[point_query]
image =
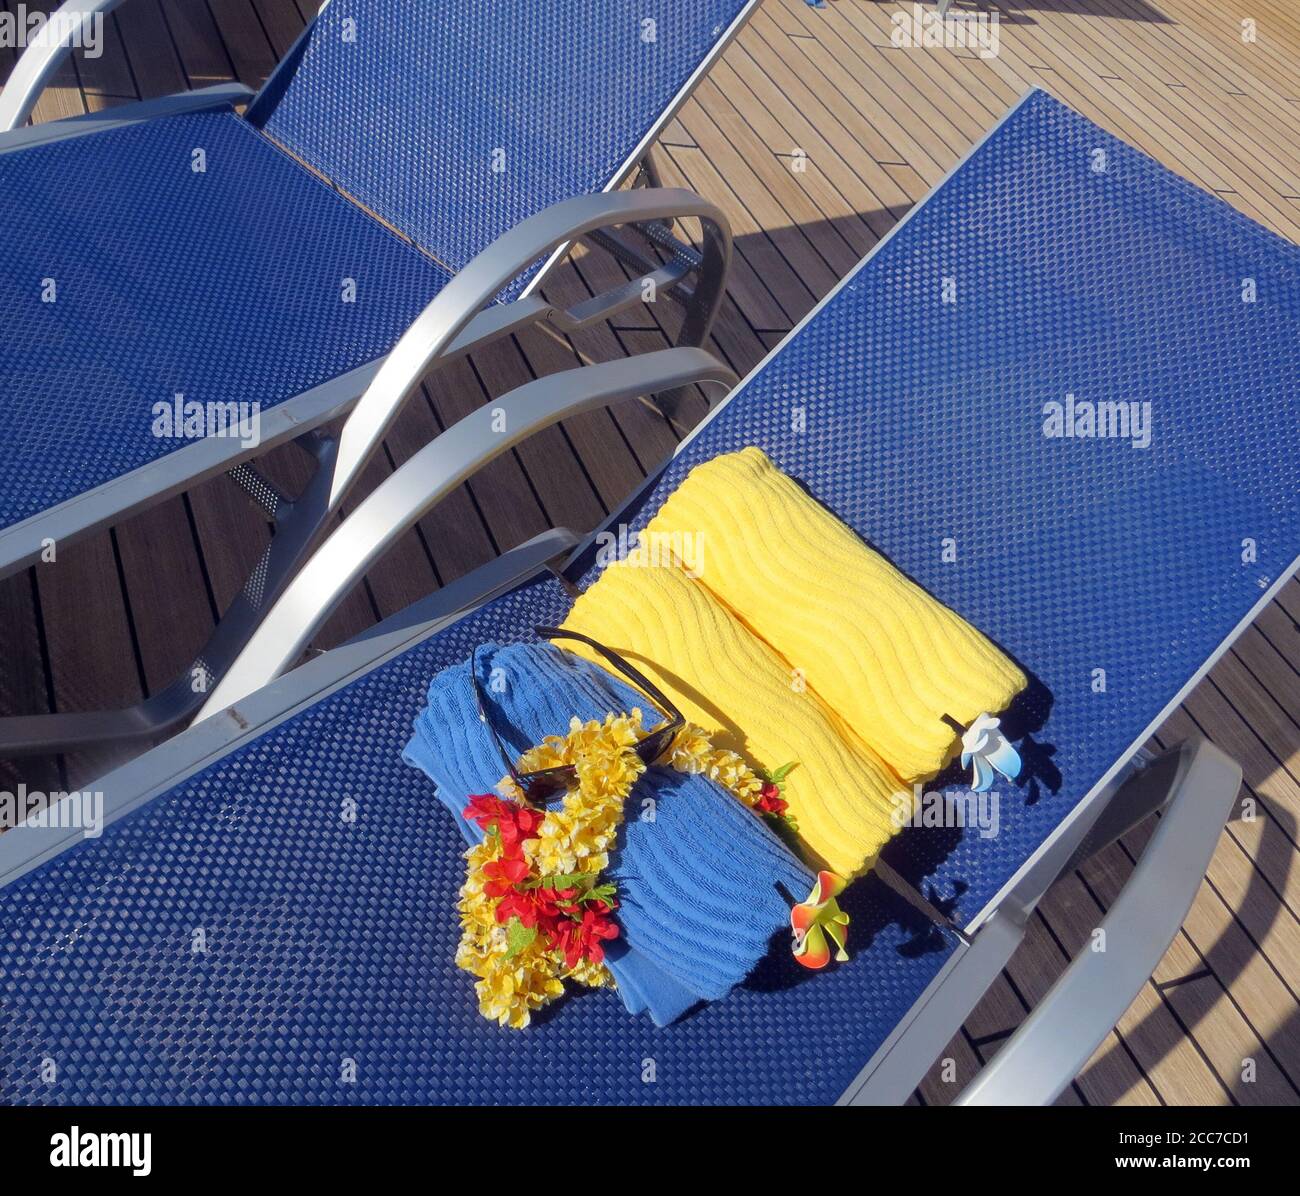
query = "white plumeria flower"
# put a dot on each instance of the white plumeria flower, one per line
(986, 750)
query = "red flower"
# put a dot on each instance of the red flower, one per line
(579, 938)
(770, 800)
(521, 904)
(529, 822)
(485, 809)
(513, 822)
(502, 875)
(568, 924)
(565, 903)
(533, 907)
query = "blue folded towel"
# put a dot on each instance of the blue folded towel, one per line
(697, 873)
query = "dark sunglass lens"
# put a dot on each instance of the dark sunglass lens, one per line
(655, 744)
(543, 785)
(539, 791)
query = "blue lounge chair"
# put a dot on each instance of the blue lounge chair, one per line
(1114, 574)
(173, 248)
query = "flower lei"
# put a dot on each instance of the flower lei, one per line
(533, 912)
(693, 752)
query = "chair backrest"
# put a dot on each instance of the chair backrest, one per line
(453, 122)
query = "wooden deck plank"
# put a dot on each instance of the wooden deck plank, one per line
(281, 23)
(453, 393)
(1245, 976)
(1269, 63)
(149, 49)
(1224, 1034)
(160, 570)
(879, 109)
(1187, 61)
(647, 434)
(812, 245)
(841, 146)
(950, 1073)
(1245, 891)
(62, 96)
(87, 623)
(862, 213)
(924, 79)
(755, 262)
(1267, 718)
(1277, 791)
(998, 1013)
(106, 80)
(1271, 673)
(947, 128)
(202, 51)
(1199, 143)
(734, 336)
(1198, 64)
(454, 533)
(25, 687)
(250, 53)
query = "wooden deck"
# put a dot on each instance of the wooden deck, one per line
(122, 612)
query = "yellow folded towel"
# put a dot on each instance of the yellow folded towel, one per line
(880, 651)
(734, 685)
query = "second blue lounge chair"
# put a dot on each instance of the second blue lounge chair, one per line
(174, 257)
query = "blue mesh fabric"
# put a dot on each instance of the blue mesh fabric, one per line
(406, 105)
(330, 941)
(924, 423)
(225, 285)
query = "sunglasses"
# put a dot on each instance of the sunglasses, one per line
(545, 783)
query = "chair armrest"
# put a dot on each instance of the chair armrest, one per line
(40, 60)
(548, 549)
(130, 785)
(1054, 1043)
(219, 97)
(437, 329)
(431, 474)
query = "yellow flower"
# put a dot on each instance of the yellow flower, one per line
(690, 749)
(507, 788)
(512, 988)
(692, 752)
(567, 844)
(731, 772)
(593, 975)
